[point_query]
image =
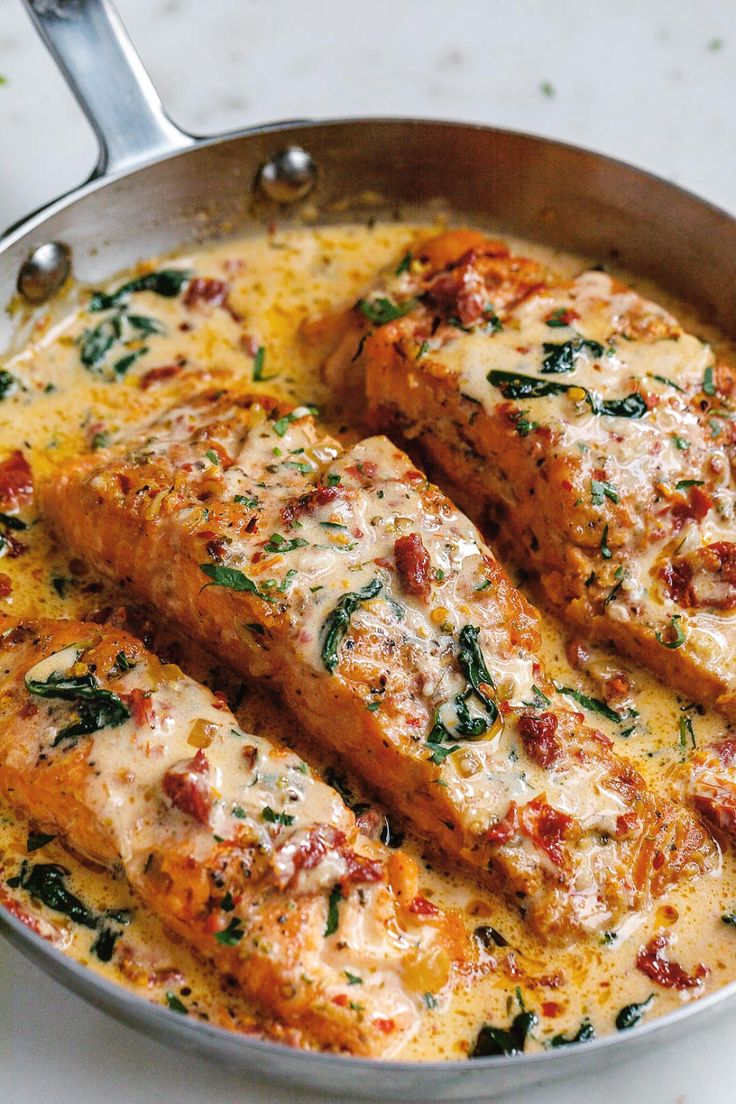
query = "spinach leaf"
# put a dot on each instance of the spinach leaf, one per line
(167, 282)
(11, 522)
(632, 1014)
(515, 385)
(36, 840)
(488, 937)
(97, 708)
(8, 383)
(494, 1041)
(337, 621)
(175, 1004)
(474, 668)
(562, 358)
(95, 344)
(585, 1032)
(47, 882)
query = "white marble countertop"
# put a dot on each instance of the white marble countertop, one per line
(651, 82)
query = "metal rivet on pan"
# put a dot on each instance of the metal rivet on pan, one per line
(288, 176)
(44, 271)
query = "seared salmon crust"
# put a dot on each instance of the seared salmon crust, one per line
(232, 842)
(587, 425)
(394, 635)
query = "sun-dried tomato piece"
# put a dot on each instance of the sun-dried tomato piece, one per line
(186, 785)
(308, 503)
(537, 730)
(16, 482)
(652, 961)
(413, 564)
(703, 578)
(140, 705)
(206, 290)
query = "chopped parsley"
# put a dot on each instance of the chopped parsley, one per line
(272, 817)
(594, 705)
(679, 636)
(259, 362)
(558, 318)
(281, 425)
(606, 552)
(709, 383)
(231, 578)
(686, 733)
(600, 490)
(277, 543)
(382, 310)
(249, 501)
(404, 264)
(353, 979)
(682, 484)
(232, 934)
(680, 442)
(333, 906)
(523, 426)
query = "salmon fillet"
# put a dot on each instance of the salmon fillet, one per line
(231, 841)
(593, 432)
(393, 634)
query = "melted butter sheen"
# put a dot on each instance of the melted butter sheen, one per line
(61, 407)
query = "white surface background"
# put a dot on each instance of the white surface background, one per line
(653, 82)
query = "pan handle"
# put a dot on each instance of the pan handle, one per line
(93, 51)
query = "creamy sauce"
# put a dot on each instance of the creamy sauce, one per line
(56, 407)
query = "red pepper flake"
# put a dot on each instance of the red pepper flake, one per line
(664, 971)
(6, 585)
(386, 1026)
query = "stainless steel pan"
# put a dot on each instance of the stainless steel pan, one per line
(156, 188)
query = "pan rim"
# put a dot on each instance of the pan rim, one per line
(36, 218)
